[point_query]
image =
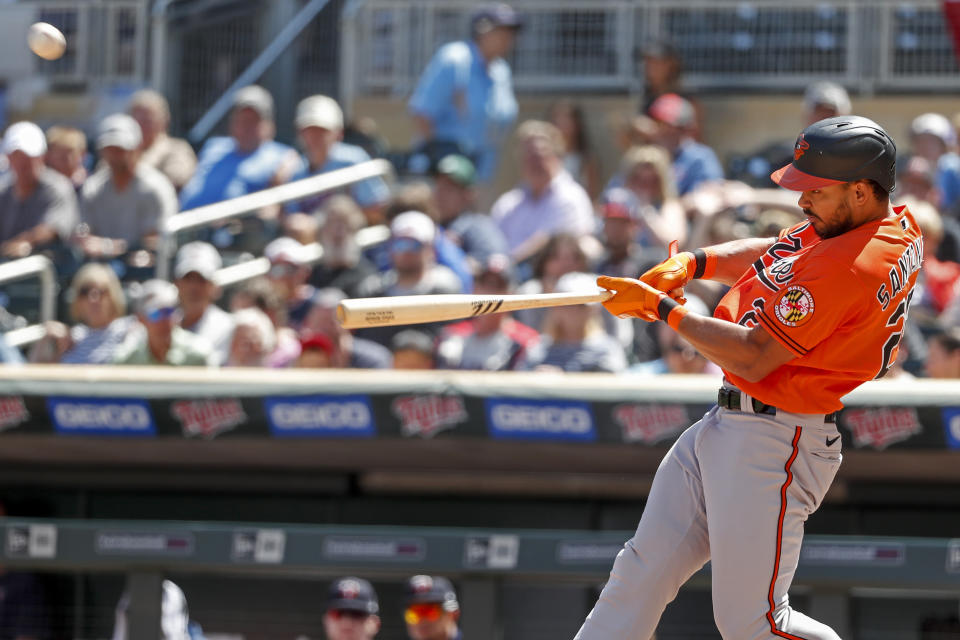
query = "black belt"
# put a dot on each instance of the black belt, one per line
(730, 399)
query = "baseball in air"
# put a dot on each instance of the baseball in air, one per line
(46, 40)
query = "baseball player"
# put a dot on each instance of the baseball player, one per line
(351, 610)
(810, 316)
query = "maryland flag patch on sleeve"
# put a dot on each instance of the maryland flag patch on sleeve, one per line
(794, 306)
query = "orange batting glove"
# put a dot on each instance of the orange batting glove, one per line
(671, 275)
(637, 299)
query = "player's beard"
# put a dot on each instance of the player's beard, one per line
(842, 221)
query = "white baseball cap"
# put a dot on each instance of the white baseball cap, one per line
(285, 250)
(415, 225)
(199, 257)
(934, 124)
(319, 111)
(254, 97)
(827, 94)
(119, 130)
(26, 137)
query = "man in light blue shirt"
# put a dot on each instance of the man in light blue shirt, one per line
(464, 100)
(246, 161)
(319, 122)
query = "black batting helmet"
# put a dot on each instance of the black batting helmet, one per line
(839, 150)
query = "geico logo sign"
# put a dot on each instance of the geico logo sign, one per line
(513, 417)
(102, 416)
(326, 415)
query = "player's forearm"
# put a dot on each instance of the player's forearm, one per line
(730, 346)
(736, 256)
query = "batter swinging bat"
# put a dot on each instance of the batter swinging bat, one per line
(381, 312)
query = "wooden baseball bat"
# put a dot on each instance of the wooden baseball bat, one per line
(387, 311)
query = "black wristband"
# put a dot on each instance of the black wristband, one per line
(666, 305)
(701, 260)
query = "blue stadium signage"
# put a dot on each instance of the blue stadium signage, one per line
(101, 416)
(320, 415)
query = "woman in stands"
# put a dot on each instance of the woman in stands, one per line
(579, 160)
(647, 173)
(98, 306)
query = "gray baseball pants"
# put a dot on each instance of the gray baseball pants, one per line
(735, 489)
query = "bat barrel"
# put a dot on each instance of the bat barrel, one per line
(358, 313)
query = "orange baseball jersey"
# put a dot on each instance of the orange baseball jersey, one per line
(838, 304)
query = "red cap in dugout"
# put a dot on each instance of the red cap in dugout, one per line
(839, 150)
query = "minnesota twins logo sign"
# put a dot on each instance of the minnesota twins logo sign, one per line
(794, 307)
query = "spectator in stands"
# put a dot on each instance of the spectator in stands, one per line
(431, 609)
(316, 352)
(253, 340)
(124, 203)
(455, 195)
(677, 355)
(66, 154)
(620, 211)
(248, 160)
(562, 254)
(263, 294)
(342, 264)
(412, 349)
(289, 272)
(693, 162)
(418, 196)
(98, 306)
(663, 74)
(647, 173)
(352, 609)
(917, 178)
(573, 338)
(173, 157)
(319, 123)
(38, 206)
(943, 355)
(579, 159)
(348, 350)
(549, 201)
(932, 137)
(24, 609)
(414, 269)
(492, 342)
(821, 100)
(194, 271)
(464, 103)
(164, 341)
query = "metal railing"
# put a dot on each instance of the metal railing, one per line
(870, 45)
(27, 268)
(245, 205)
(312, 254)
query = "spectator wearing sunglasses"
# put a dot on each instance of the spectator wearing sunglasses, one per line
(164, 341)
(414, 270)
(432, 611)
(98, 306)
(352, 609)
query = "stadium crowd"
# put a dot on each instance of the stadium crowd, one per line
(99, 216)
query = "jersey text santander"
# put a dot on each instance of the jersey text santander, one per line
(838, 304)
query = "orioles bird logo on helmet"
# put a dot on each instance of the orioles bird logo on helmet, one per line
(802, 146)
